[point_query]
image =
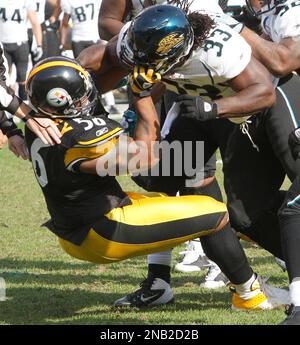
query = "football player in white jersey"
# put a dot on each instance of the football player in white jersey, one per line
(84, 15)
(13, 35)
(209, 72)
(112, 16)
(38, 52)
(281, 23)
(52, 22)
(280, 53)
(241, 73)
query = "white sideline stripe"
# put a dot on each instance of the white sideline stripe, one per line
(289, 107)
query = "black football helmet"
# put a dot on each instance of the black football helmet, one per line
(159, 37)
(267, 6)
(58, 87)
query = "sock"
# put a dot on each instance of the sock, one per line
(245, 288)
(159, 265)
(295, 291)
(162, 258)
(159, 271)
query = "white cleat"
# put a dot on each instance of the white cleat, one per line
(214, 278)
(194, 258)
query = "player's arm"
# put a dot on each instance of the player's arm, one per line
(102, 62)
(56, 11)
(44, 128)
(280, 58)
(15, 136)
(2, 139)
(255, 92)
(36, 27)
(118, 160)
(64, 28)
(111, 17)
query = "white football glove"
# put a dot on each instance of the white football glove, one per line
(37, 53)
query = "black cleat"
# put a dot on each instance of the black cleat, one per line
(293, 316)
(153, 291)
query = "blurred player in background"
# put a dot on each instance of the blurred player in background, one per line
(14, 36)
(84, 15)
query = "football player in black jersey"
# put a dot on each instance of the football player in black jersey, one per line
(94, 219)
(9, 102)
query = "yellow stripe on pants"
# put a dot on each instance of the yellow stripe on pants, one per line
(148, 211)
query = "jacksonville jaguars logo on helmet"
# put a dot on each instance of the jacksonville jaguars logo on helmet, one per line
(58, 97)
(169, 42)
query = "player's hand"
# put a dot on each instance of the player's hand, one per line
(196, 108)
(52, 24)
(142, 80)
(37, 53)
(3, 139)
(17, 145)
(128, 122)
(294, 143)
(45, 129)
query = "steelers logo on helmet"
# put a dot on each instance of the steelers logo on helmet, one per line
(58, 87)
(58, 97)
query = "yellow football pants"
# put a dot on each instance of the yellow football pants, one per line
(149, 225)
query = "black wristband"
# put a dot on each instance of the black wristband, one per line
(15, 131)
(14, 105)
(143, 94)
(28, 116)
(7, 126)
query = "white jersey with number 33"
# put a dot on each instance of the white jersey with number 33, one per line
(223, 56)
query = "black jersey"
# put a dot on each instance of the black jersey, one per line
(75, 200)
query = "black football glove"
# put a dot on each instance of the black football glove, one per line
(142, 80)
(196, 108)
(294, 143)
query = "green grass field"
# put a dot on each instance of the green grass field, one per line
(46, 286)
